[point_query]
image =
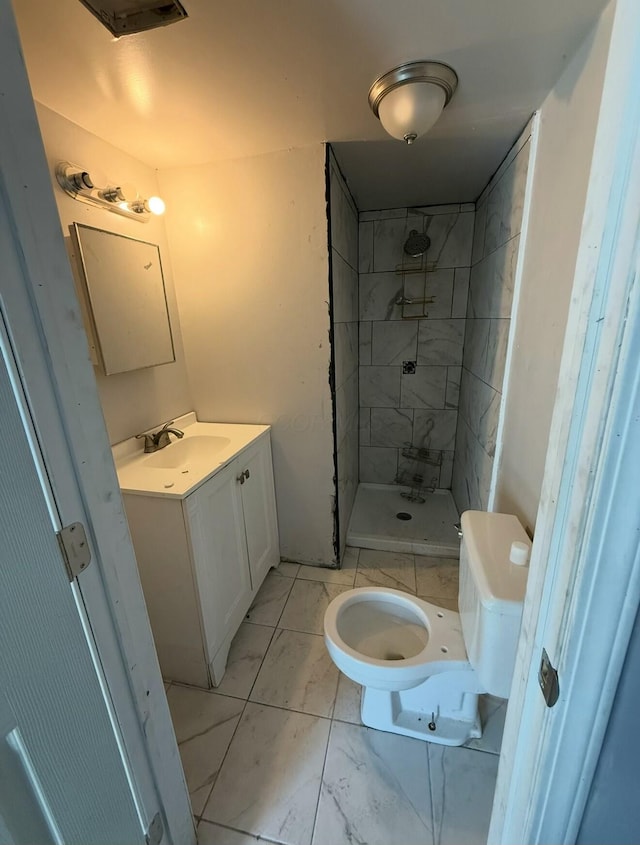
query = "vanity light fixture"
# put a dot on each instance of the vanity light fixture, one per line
(121, 199)
(409, 99)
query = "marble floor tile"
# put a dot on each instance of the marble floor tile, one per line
(248, 648)
(454, 376)
(290, 570)
(386, 569)
(346, 575)
(378, 465)
(425, 388)
(378, 293)
(437, 576)
(272, 597)
(204, 725)
(441, 601)
(348, 701)
(365, 333)
(435, 428)
(270, 780)
(492, 715)
(379, 386)
(375, 789)
(441, 342)
(462, 786)
(394, 342)
(306, 605)
(213, 834)
(391, 426)
(297, 674)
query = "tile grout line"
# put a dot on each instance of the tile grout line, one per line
(289, 710)
(264, 657)
(259, 838)
(433, 825)
(222, 762)
(246, 701)
(324, 765)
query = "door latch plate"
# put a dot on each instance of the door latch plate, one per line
(548, 680)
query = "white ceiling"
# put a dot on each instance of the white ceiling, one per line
(248, 77)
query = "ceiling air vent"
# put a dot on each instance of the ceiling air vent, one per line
(123, 17)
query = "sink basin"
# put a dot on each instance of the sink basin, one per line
(178, 469)
(196, 449)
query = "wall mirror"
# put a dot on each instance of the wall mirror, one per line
(126, 299)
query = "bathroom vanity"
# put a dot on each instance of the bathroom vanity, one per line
(202, 516)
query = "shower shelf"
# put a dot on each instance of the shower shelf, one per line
(423, 456)
(404, 300)
(412, 271)
(417, 479)
(418, 485)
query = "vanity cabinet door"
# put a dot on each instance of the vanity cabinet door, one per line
(216, 528)
(259, 505)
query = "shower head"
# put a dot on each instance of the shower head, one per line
(417, 244)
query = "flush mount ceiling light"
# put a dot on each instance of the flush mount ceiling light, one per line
(410, 98)
(122, 199)
(124, 17)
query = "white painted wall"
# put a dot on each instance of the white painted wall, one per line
(567, 131)
(135, 401)
(248, 241)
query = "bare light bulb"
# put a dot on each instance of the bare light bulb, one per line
(156, 205)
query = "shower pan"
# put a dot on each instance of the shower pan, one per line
(382, 519)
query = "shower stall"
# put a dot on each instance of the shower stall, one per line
(434, 298)
(413, 286)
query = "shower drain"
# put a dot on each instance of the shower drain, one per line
(404, 516)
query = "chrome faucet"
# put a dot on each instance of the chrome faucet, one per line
(159, 439)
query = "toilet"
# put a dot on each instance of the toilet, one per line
(421, 666)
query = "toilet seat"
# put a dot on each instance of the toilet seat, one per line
(409, 656)
(422, 638)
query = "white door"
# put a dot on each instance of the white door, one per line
(43, 320)
(259, 508)
(62, 775)
(219, 554)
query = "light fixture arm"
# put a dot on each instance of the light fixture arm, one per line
(78, 184)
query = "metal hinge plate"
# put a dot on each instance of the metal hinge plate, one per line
(155, 832)
(548, 680)
(75, 549)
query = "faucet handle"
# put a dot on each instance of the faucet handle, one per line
(149, 441)
(167, 424)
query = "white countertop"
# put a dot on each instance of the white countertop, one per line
(186, 463)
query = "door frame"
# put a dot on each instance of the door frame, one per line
(531, 772)
(49, 343)
(590, 499)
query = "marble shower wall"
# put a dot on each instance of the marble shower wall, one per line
(410, 368)
(494, 260)
(343, 227)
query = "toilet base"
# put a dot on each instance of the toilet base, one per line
(448, 700)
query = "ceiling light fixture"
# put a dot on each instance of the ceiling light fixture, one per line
(122, 199)
(410, 98)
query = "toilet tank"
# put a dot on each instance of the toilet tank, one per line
(491, 596)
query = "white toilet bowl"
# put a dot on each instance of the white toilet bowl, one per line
(422, 667)
(410, 658)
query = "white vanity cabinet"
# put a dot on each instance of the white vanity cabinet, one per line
(202, 558)
(233, 532)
